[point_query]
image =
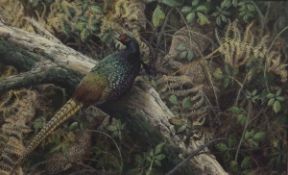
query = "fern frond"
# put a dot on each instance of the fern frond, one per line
(238, 51)
(20, 108)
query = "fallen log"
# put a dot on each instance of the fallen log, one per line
(141, 108)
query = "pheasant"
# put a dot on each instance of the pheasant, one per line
(107, 81)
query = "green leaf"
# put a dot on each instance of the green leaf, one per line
(226, 82)
(160, 157)
(232, 141)
(190, 17)
(248, 134)
(276, 106)
(96, 9)
(159, 148)
(278, 92)
(112, 128)
(221, 147)
(181, 47)
(202, 19)
(38, 123)
(172, 3)
(80, 25)
(235, 3)
(234, 166)
(202, 8)
(149, 157)
(271, 102)
(173, 99)
(270, 95)
(218, 74)
(242, 119)
(158, 16)
(259, 136)
(226, 4)
(190, 55)
(218, 21)
(279, 98)
(186, 103)
(157, 163)
(246, 162)
(223, 18)
(183, 54)
(186, 9)
(180, 129)
(73, 126)
(235, 110)
(195, 2)
(84, 34)
(251, 7)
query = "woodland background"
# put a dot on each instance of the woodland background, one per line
(218, 65)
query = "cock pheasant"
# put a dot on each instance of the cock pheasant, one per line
(107, 81)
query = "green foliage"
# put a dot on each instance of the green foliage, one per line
(253, 96)
(250, 101)
(72, 18)
(186, 103)
(240, 114)
(247, 10)
(173, 99)
(275, 100)
(158, 16)
(116, 128)
(184, 52)
(148, 160)
(38, 123)
(253, 138)
(172, 3)
(222, 12)
(196, 11)
(203, 11)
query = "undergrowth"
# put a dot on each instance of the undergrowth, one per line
(220, 67)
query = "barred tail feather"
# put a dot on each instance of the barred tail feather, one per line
(69, 109)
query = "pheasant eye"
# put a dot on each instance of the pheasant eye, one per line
(123, 38)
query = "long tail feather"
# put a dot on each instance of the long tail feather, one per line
(69, 109)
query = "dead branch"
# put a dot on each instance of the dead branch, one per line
(142, 108)
(56, 52)
(45, 74)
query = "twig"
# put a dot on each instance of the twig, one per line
(194, 153)
(244, 131)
